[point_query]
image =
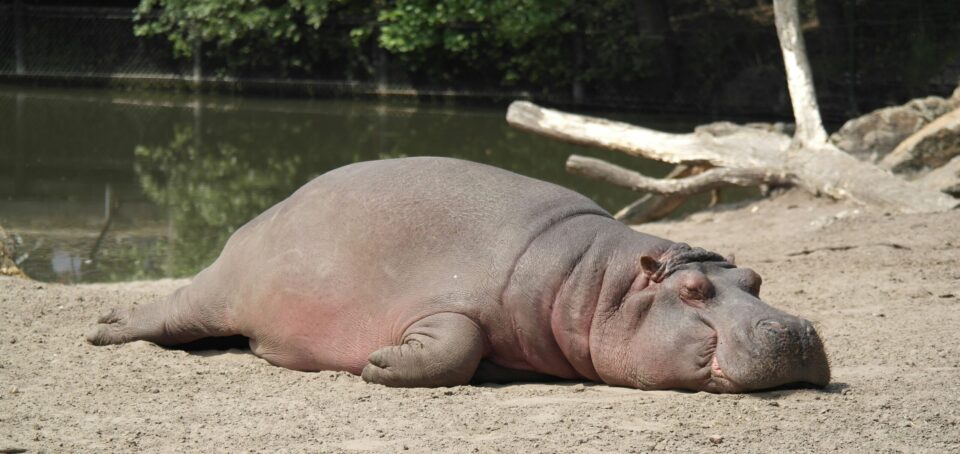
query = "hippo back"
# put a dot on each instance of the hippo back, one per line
(438, 229)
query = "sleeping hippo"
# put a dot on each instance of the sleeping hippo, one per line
(422, 272)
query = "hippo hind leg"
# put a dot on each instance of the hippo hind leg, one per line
(439, 350)
(192, 312)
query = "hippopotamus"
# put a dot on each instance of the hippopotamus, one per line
(427, 272)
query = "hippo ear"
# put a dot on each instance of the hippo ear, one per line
(731, 258)
(649, 265)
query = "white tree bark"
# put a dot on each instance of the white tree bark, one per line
(803, 96)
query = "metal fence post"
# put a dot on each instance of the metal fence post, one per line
(197, 63)
(18, 35)
(577, 88)
(380, 59)
(18, 144)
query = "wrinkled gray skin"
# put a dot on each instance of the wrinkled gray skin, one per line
(436, 272)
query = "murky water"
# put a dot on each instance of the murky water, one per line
(118, 185)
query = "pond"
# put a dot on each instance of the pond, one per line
(100, 185)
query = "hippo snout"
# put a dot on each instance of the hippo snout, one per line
(793, 343)
(814, 357)
(797, 330)
(769, 326)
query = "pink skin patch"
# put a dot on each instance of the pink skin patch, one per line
(715, 368)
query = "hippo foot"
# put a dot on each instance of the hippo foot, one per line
(112, 328)
(190, 313)
(439, 350)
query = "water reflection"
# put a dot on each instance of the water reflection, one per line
(66, 266)
(186, 171)
(211, 190)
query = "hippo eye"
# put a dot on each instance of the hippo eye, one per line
(694, 293)
(696, 290)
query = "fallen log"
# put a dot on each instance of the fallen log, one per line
(705, 181)
(740, 155)
(750, 156)
(652, 207)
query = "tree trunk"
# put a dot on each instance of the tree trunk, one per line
(653, 27)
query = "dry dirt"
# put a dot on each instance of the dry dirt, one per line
(883, 289)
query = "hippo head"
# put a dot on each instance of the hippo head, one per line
(693, 320)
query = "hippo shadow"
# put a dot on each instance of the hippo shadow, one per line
(793, 388)
(215, 346)
(490, 376)
(553, 381)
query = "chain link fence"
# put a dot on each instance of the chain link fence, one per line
(74, 41)
(729, 68)
(8, 58)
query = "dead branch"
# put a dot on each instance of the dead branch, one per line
(740, 154)
(710, 179)
(652, 207)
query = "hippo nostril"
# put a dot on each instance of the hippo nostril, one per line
(771, 326)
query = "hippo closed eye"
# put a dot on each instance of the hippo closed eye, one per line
(436, 272)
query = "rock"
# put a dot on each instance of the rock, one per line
(11, 450)
(8, 265)
(871, 136)
(946, 178)
(932, 146)
(716, 439)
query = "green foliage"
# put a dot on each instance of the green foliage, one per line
(513, 42)
(458, 25)
(694, 50)
(248, 32)
(526, 42)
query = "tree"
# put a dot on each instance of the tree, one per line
(548, 44)
(244, 32)
(741, 155)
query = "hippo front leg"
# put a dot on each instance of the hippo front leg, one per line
(440, 350)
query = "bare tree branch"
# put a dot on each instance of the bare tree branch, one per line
(651, 207)
(710, 179)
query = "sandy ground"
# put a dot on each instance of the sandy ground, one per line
(883, 289)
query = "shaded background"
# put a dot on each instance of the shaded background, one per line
(136, 136)
(702, 56)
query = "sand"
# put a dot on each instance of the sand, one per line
(883, 289)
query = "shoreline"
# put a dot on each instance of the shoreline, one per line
(883, 290)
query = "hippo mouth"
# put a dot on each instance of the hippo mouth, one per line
(716, 379)
(715, 370)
